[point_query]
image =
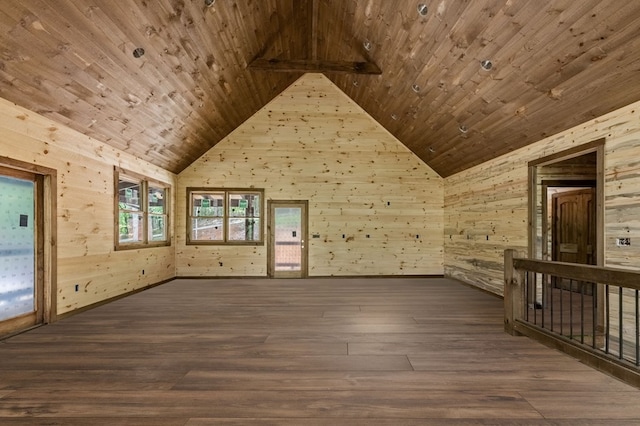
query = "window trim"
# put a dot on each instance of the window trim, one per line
(226, 241)
(145, 183)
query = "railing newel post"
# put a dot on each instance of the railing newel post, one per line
(513, 292)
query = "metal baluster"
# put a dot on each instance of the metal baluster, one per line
(551, 305)
(608, 325)
(571, 308)
(562, 307)
(543, 303)
(582, 313)
(535, 298)
(620, 328)
(637, 330)
(528, 295)
(594, 313)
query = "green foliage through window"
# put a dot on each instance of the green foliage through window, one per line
(142, 211)
(220, 216)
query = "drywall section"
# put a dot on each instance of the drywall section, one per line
(85, 209)
(375, 207)
(486, 206)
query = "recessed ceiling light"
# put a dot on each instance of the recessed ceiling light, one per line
(209, 3)
(423, 9)
(367, 45)
(415, 88)
(486, 65)
(463, 128)
(138, 52)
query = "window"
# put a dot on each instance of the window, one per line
(142, 211)
(225, 216)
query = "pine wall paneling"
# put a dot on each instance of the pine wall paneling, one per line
(313, 143)
(85, 211)
(491, 200)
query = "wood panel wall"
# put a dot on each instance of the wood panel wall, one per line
(313, 143)
(486, 206)
(85, 212)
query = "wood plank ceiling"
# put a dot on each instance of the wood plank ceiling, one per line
(555, 64)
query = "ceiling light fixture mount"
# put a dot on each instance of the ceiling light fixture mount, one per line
(423, 9)
(138, 52)
(486, 65)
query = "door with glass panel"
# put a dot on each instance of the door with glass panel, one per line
(287, 239)
(20, 296)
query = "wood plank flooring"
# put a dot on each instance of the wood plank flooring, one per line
(403, 351)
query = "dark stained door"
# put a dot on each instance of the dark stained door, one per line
(574, 227)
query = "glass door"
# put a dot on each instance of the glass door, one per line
(287, 239)
(17, 247)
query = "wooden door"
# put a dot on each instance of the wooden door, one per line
(287, 255)
(574, 227)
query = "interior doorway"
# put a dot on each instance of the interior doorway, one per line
(566, 217)
(287, 254)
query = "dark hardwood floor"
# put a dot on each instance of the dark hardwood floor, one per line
(300, 352)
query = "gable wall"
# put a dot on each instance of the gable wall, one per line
(490, 200)
(85, 208)
(313, 143)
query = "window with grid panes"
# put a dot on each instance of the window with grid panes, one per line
(225, 216)
(142, 211)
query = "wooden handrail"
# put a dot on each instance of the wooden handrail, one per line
(597, 274)
(521, 305)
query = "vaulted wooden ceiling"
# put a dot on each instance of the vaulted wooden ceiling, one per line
(208, 65)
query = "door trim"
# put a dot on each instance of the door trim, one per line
(304, 261)
(594, 146)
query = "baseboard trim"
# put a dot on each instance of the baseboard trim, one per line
(475, 287)
(111, 299)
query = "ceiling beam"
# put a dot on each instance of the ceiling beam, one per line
(313, 30)
(306, 65)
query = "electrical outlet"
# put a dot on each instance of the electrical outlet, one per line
(623, 242)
